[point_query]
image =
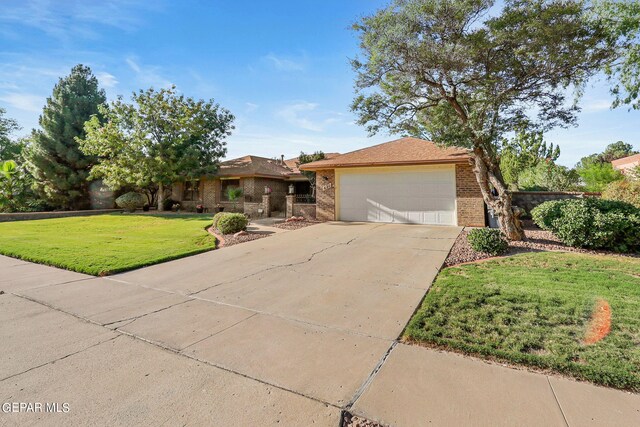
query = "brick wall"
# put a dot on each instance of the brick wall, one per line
(305, 210)
(326, 195)
(469, 198)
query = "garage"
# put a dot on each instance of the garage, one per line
(405, 181)
(411, 195)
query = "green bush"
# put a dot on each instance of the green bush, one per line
(130, 201)
(592, 223)
(488, 240)
(168, 204)
(232, 223)
(217, 217)
(626, 190)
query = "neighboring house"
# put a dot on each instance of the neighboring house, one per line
(256, 176)
(626, 165)
(408, 180)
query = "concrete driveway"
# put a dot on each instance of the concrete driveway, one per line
(288, 329)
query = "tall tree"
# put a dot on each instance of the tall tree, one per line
(59, 168)
(9, 148)
(311, 176)
(161, 138)
(463, 74)
(525, 151)
(621, 19)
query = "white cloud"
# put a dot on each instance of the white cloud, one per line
(24, 101)
(286, 64)
(107, 80)
(250, 107)
(65, 20)
(596, 105)
(293, 114)
(148, 75)
(306, 115)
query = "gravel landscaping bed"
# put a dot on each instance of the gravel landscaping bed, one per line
(231, 239)
(294, 225)
(356, 421)
(536, 240)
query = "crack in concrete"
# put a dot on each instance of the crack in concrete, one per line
(61, 283)
(275, 267)
(219, 332)
(59, 358)
(134, 318)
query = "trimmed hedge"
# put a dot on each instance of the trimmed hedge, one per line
(229, 223)
(591, 223)
(488, 240)
(130, 201)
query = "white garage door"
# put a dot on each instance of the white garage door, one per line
(412, 195)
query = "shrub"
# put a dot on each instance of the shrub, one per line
(232, 223)
(625, 190)
(130, 201)
(488, 240)
(168, 203)
(217, 217)
(592, 223)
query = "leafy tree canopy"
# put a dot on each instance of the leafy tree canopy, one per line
(621, 18)
(547, 176)
(596, 176)
(60, 169)
(457, 73)
(160, 138)
(525, 151)
(9, 149)
(311, 175)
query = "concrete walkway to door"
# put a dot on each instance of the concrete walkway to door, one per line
(290, 330)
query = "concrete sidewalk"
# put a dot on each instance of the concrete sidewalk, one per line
(290, 330)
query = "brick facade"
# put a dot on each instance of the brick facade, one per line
(469, 198)
(326, 195)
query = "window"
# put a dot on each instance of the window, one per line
(226, 184)
(191, 191)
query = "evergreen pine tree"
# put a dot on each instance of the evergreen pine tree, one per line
(58, 166)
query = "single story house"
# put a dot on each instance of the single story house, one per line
(627, 164)
(408, 180)
(256, 176)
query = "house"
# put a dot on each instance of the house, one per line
(408, 180)
(626, 165)
(256, 176)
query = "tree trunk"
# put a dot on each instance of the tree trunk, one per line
(160, 197)
(500, 204)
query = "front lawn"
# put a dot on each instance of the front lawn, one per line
(106, 244)
(536, 309)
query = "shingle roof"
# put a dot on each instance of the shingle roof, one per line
(253, 166)
(404, 151)
(293, 163)
(626, 160)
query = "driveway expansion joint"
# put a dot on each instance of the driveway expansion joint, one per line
(555, 397)
(371, 377)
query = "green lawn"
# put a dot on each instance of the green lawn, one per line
(534, 309)
(106, 244)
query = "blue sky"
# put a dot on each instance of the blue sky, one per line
(280, 66)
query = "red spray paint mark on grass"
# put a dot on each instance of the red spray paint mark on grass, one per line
(600, 324)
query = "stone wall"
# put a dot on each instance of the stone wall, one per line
(26, 216)
(469, 198)
(528, 200)
(326, 195)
